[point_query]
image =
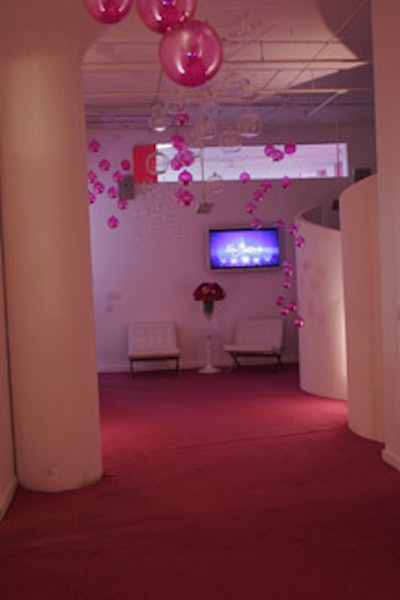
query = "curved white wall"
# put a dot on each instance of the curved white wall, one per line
(358, 217)
(322, 346)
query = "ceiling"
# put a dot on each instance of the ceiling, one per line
(286, 61)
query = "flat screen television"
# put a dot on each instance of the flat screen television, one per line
(243, 248)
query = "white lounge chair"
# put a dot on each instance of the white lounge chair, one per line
(258, 337)
(153, 341)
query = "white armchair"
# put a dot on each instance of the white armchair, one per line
(259, 337)
(153, 341)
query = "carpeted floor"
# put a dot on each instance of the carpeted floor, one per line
(235, 486)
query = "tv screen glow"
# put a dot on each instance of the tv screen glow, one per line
(243, 248)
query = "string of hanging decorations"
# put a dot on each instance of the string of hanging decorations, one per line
(190, 51)
(190, 54)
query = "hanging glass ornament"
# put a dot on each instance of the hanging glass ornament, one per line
(99, 187)
(122, 204)
(230, 141)
(258, 195)
(277, 155)
(181, 118)
(286, 182)
(176, 164)
(157, 163)
(186, 157)
(250, 125)
(113, 222)
(266, 185)
(112, 192)
(269, 150)
(206, 128)
(290, 148)
(92, 177)
(185, 177)
(178, 141)
(117, 176)
(184, 196)
(94, 145)
(105, 164)
(299, 241)
(215, 183)
(159, 120)
(256, 223)
(251, 208)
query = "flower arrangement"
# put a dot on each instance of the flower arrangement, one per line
(208, 293)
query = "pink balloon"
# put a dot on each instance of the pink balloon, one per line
(191, 54)
(162, 15)
(108, 11)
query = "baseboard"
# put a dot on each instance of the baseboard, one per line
(113, 368)
(391, 458)
(290, 359)
(124, 368)
(224, 363)
(7, 496)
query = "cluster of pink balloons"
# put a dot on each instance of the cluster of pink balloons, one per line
(184, 157)
(190, 51)
(97, 187)
(108, 11)
(275, 154)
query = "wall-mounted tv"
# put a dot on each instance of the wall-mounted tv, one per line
(243, 248)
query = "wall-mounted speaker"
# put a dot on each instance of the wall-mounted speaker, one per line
(126, 187)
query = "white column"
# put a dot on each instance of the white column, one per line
(358, 225)
(7, 468)
(46, 246)
(385, 21)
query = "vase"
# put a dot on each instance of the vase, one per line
(208, 308)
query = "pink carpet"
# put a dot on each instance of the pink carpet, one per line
(234, 486)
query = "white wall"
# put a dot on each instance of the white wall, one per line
(148, 267)
(359, 232)
(322, 340)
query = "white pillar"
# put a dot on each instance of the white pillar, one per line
(46, 245)
(385, 20)
(358, 225)
(7, 468)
